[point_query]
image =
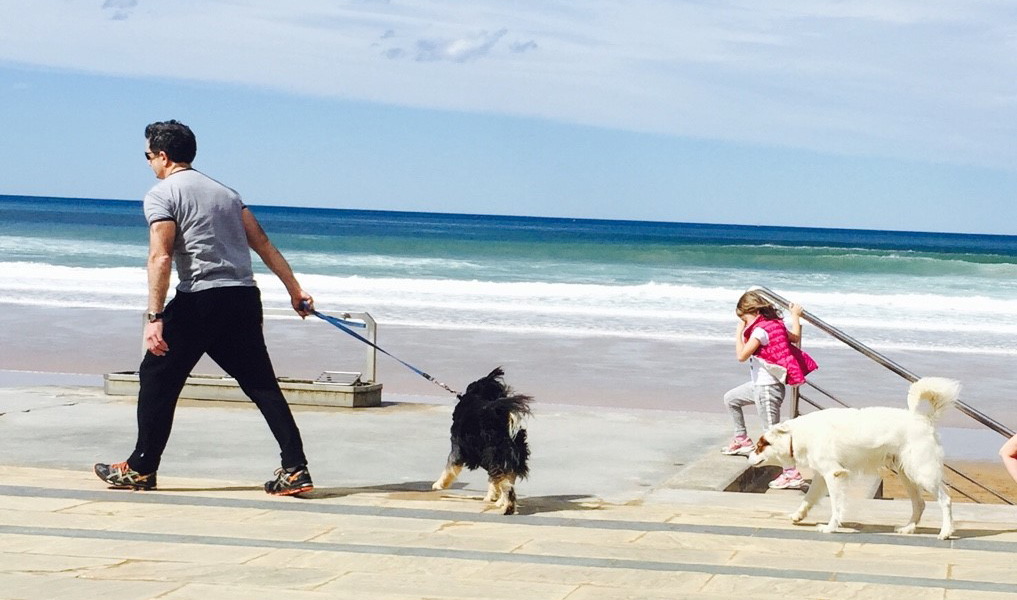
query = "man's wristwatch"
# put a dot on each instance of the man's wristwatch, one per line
(154, 316)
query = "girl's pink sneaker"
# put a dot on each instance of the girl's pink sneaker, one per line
(790, 479)
(741, 445)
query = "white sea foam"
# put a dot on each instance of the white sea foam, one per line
(652, 311)
(14, 247)
(356, 262)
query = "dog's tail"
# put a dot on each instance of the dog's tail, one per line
(514, 409)
(939, 392)
(509, 411)
(518, 408)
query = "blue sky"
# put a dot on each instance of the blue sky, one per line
(884, 114)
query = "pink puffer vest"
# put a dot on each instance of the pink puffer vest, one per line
(780, 351)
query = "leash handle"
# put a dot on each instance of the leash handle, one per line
(345, 327)
(337, 321)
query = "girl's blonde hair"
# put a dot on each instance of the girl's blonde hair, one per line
(753, 302)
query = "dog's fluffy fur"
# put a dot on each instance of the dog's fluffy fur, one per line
(838, 442)
(487, 432)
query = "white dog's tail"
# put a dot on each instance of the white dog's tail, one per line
(941, 394)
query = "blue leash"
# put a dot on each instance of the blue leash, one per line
(345, 326)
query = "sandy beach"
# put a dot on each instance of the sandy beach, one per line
(991, 475)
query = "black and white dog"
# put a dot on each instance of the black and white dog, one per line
(487, 432)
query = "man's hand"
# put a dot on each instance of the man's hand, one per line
(302, 302)
(153, 339)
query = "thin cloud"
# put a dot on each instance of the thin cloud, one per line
(520, 47)
(119, 10)
(459, 50)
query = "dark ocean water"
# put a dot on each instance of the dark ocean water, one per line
(570, 277)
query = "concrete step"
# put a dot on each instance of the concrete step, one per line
(719, 472)
(65, 536)
(867, 487)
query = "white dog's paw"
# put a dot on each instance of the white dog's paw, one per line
(798, 515)
(907, 529)
(491, 497)
(945, 535)
(438, 485)
(826, 527)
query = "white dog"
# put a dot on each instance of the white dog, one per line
(837, 442)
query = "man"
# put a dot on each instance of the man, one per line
(205, 228)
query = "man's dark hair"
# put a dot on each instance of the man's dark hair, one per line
(174, 138)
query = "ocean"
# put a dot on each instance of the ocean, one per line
(567, 278)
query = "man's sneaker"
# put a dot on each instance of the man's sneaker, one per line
(288, 482)
(122, 477)
(788, 480)
(741, 445)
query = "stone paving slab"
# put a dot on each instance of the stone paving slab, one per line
(400, 585)
(380, 535)
(205, 591)
(18, 586)
(741, 586)
(539, 556)
(348, 562)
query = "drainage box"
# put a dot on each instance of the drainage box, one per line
(297, 391)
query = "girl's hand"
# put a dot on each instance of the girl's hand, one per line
(794, 334)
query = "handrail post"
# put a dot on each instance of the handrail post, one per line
(794, 401)
(371, 359)
(370, 372)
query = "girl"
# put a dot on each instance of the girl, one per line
(774, 361)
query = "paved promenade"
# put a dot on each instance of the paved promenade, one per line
(607, 514)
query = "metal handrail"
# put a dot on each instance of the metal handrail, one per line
(977, 415)
(883, 360)
(973, 482)
(825, 393)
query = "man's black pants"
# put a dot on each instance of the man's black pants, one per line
(226, 324)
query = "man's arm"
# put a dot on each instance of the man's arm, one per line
(258, 240)
(160, 260)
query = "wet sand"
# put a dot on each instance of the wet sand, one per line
(991, 475)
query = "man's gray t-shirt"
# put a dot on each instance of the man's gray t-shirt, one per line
(210, 249)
